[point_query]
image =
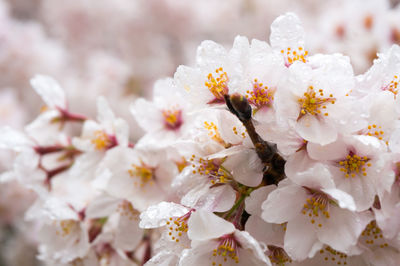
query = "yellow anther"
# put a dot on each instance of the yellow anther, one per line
(172, 118)
(353, 164)
(141, 174)
(218, 86)
(101, 140)
(213, 132)
(292, 56)
(65, 227)
(311, 103)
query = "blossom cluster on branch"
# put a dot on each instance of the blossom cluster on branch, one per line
(257, 155)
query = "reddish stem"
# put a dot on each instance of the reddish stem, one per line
(56, 171)
(147, 252)
(42, 150)
(71, 117)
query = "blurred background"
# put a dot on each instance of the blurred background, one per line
(119, 48)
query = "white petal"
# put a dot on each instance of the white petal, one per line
(50, 91)
(316, 130)
(345, 200)
(147, 115)
(316, 177)
(158, 215)
(284, 204)
(204, 225)
(14, 139)
(128, 234)
(394, 142)
(333, 151)
(121, 130)
(246, 167)
(298, 162)
(343, 228)
(163, 258)
(256, 198)
(210, 53)
(217, 199)
(102, 206)
(286, 31)
(104, 112)
(269, 234)
(57, 209)
(7, 177)
(300, 238)
(248, 242)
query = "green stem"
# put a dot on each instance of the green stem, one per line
(238, 203)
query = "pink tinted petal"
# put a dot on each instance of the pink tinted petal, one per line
(344, 200)
(283, 204)
(360, 188)
(204, 225)
(298, 162)
(128, 234)
(316, 130)
(246, 167)
(248, 243)
(217, 199)
(333, 151)
(342, 229)
(316, 177)
(271, 234)
(257, 197)
(300, 238)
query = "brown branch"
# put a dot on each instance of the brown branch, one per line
(274, 164)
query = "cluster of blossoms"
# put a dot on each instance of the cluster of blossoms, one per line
(258, 155)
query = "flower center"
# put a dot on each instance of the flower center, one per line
(372, 236)
(125, 208)
(260, 96)
(178, 225)
(392, 86)
(172, 118)
(335, 256)
(213, 132)
(141, 174)
(227, 248)
(101, 140)
(354, 164)
(312, 102)
(218, 85)
(375, 131)
(65, 227)
(278, 256)
(293, 55)
(181, 164)
(316, 207)
(213, 169)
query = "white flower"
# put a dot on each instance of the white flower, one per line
(216, 241)
(359, 166)
(316, 212)
(287, 37)
(63, 236)
(142, 177)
